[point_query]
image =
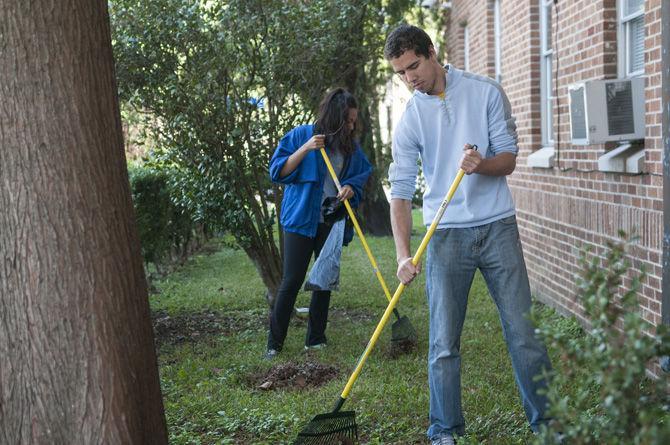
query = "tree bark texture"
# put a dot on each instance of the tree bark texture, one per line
(374, 209)
(269, 268)
(77, 358)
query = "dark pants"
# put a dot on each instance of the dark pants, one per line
(298, 250)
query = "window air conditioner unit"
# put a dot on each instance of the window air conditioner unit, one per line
(606, 110)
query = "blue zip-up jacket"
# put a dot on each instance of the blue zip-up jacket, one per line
(301, 206)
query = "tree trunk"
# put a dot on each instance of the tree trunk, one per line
(78, 363)
(379, 212)
(374, 211)
(269, 268)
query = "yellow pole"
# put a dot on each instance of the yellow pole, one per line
(401, 287)
(357, 227)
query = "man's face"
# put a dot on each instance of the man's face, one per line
(416, 71)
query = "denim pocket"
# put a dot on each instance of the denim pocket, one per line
(509, 220)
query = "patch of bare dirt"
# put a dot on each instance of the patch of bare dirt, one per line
(292, 375)
(401, 347)
(198, 326)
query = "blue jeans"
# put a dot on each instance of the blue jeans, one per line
(453, 257)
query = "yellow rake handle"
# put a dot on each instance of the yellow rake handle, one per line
(401, 286)
(357, 227)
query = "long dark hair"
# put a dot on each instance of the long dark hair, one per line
(332, 120)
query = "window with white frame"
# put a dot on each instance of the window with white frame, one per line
(631, 37)
(546, 73)
(497, 39)
(466, 48)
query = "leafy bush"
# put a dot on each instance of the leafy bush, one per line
(615, 402)
(151, 200)
(217, 84)
(166, 230)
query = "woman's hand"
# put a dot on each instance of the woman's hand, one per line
(316, 142)
(346, 192)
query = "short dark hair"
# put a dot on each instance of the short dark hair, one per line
(405, 37)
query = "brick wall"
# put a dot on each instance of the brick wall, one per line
(572, 205)
(478, 16)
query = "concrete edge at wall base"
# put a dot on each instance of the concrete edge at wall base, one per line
(562, 310)
(626, 158)
(542, 158)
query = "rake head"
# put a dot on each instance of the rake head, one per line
(403, 331)
(338, 428)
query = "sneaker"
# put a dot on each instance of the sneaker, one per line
(315, 347)
(444, 440)
(270, 354)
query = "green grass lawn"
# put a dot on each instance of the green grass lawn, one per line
(206, 377)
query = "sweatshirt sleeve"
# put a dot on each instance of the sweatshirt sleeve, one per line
(286, 147)
(502, 125)
(404, 168)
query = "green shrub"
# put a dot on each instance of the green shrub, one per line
(166, 230)
(153, 209)
(615, 403)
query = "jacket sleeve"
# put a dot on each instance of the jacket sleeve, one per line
(358, 175)
(287, 146)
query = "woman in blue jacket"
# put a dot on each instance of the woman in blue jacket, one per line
(298, 165)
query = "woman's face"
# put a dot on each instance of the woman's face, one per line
(350, 124)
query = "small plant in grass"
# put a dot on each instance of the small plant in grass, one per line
(614, 402)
